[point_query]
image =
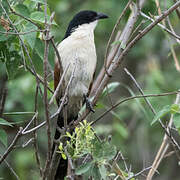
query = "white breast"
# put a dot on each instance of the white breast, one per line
(79, 50)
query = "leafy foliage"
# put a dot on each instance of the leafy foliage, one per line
(173, 109)
(151, 61)
(83, 142)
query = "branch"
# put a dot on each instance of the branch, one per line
(121, 53)
(164, 146)
(33, 71)
(161, 26)
(55, 156)
(17, 14)
(116, 50)
(46, 105)
(139, 173)
(114, 31)
(168, 136)
(10, 148)
(35, 144)
(59, 84)
(11, 169)
(20, 33)
(131, 98)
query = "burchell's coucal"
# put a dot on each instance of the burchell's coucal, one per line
(78, 51)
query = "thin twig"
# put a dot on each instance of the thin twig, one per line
(21, 43)
(177, 11)
(27, 143)
(139, 173)
(161, 26)
(115, 51)
(10, 148)
(33, 118)
(59, 84)
(3, 100)
(119, 58)
(55, 157)
(35, 143)
(152, 109)
(46, 105)
(17, 14)
(114, 31)
(20, 33)
(131, 98)
(11, 169)
(164, 146)
(39, 79)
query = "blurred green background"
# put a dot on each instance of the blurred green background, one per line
(151, 63)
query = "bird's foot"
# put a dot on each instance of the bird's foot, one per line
(65, 102)
(88, 104)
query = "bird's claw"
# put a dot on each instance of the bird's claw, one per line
(88, 104)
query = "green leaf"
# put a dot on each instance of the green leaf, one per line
(121, 130)
(176, 121)
(160, 114)
(110, 88)
(40, 18)
(109, 151)
(138, 101)
(103, 151)
(100, 105)
(4, 122)
(115, 43)
(39, 48)
(63, 156)
(3, 137)
(30, 37)
(103, 172)
(97, 150)
(4, 37)
(95, 172)
(123, 46)
(12, 64)
(22, 9)
(175, 108)
(83, 168)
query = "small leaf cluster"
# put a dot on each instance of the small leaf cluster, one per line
(83, 143)
(12, 52)
(169, 109)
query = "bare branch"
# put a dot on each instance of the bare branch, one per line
(114, 31)
(164, 146)
(35, 143)
(46, 105)
(59, 84)
(131, 98)
(10, 148)
(20, 33)
(162, 26)
(139, 173)
(17, 14)
(11, 169)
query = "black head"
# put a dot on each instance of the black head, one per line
(83, 17)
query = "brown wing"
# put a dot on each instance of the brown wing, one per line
(57, 77)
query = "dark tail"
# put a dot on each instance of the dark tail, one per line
(62, 169)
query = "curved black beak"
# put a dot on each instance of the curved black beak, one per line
(101, 16)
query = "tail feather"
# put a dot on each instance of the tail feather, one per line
(62, 169)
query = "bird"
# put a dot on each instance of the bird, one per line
(77, 51)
